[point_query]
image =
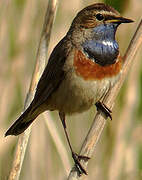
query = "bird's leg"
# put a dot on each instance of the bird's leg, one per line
(101, 106)
(75, 156)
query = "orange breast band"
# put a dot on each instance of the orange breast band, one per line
(89, 70)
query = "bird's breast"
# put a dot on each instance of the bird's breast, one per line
(90, 70)
(85, 83)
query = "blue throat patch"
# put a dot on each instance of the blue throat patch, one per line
(102, 48)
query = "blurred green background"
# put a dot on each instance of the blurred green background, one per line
(118, 154)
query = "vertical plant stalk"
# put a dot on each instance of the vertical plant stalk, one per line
(99, 122)
(126, 124)
(39, 67)
(59, 144)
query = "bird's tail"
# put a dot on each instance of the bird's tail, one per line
(23, 122)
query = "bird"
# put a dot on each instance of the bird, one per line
(81, 69)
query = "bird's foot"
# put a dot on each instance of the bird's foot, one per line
(104, 109)
(78, 165)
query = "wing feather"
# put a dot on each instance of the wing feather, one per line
(53, 73)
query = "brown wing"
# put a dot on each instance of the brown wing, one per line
(53, 73)
(49, 81)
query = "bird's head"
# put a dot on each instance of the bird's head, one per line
(93, 30)
(98, 14)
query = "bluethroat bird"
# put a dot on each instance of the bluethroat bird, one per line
(80, 71)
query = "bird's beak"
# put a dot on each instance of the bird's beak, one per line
(119, 20)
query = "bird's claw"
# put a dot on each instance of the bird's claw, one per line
(78, 165)
(104, 109)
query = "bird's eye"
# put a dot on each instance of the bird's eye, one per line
(99, 17)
